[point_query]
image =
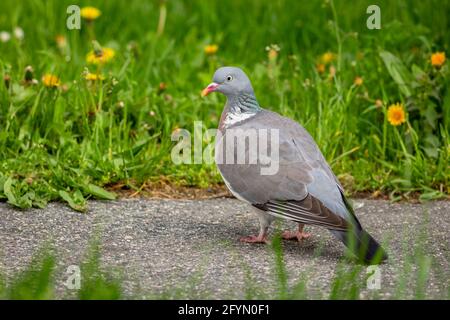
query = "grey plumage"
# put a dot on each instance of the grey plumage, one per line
(304, 189)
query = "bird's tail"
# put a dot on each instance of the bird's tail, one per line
(361, 244)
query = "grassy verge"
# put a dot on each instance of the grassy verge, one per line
(70, 128)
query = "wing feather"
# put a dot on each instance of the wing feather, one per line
(309, 211)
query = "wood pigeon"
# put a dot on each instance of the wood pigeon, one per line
(303, 188)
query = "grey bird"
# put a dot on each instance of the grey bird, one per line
(304, 189)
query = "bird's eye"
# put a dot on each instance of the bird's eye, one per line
(229, 78)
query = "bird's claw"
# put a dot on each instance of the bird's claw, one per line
(254, 239)
(297, 235)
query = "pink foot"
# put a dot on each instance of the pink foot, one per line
(254, 239)
(297, 235)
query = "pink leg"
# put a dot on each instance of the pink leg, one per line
(298, 235)
(264, 223)
(261, 238)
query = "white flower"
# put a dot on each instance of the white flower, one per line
(18, 33)
(5, 36)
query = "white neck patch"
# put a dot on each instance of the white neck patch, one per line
(233, 118)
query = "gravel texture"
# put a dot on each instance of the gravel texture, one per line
(190, 248)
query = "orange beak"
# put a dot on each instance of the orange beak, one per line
(210, 88)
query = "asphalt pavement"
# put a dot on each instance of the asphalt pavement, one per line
(191, 248)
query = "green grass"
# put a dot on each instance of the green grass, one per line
(74, 142)
(38, 280)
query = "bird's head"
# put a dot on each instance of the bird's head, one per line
(230, 81)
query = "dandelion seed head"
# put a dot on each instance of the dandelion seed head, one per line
(19, 33)
(5, 36)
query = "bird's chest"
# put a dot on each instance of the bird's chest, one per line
(227, 171)
(238, 168)
(232, 190)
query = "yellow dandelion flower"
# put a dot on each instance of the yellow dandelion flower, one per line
(358, 81)
(327, 57)
(93, 76)
(50, 80)
(438, 59)
(320, 68)
(61, 41)
(90, 13)
(272, 54)
(211, 49)
(396, 114)
(101, 56)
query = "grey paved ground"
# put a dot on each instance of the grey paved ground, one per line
(191, 248)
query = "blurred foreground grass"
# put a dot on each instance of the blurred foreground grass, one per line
(86, 127)
(42, 279)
